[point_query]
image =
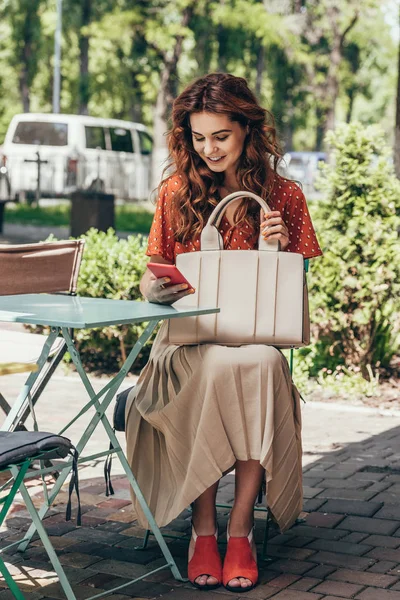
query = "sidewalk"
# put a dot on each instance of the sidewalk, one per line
(348, 545)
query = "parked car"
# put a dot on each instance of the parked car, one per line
(303, 167)
(76, 151)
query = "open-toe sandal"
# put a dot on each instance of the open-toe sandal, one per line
(240, 563)
(205, 561)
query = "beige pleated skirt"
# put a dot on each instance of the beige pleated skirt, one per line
(197, 409)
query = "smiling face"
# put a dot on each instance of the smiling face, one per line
(217, 140)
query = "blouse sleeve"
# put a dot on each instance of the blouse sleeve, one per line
(161, 240)
(302, 237)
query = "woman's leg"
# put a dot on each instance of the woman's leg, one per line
(248, 479)
(203, 519)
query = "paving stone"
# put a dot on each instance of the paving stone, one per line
(312, 481)
(330, 473)
(382, 540)
(322, 519)
(305, 584)
(318, 532)
(121, 568)
(130, 555)
(371, 594)
(358, 563)
(296, 595)
(299, 541)
(339, 546)
(284, 580)
(297, 567)
(352, 507)
(321, 571)
(350, 484)
(383, 566)
(95, 535)
(385, 554)
(363, 578)
(365, 476)
(338, 588)
(310, 492)
(355, 538)
(389, 511)
(345, 494)
(369, 525)
(76, 559)
(313, 504)
(288, 552)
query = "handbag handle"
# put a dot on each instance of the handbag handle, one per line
(211, 239)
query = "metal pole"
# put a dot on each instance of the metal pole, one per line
(57, 59)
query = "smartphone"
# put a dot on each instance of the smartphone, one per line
(171, 271)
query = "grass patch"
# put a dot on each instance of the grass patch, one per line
(127, 217)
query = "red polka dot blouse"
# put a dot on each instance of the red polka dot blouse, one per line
(286, 197)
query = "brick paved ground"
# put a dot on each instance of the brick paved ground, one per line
(347, 546)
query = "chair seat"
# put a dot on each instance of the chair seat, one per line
(17, 446)
(20, 347)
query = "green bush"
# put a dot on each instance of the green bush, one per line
(355, 286)
(111, 268)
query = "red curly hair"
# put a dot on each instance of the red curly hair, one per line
(193, 202)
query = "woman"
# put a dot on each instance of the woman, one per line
(198, 412)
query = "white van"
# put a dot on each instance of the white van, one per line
(76, 151)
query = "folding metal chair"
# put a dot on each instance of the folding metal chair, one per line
(51, 267)
(17, 452)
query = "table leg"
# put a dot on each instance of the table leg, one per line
(100, 416)
(17, 409)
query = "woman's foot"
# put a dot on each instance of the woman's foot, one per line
(204, 561)
(240, 572)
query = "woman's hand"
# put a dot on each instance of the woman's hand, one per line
(159, 292)
(273, 228)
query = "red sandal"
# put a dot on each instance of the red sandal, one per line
(240, 562)
(205, 560)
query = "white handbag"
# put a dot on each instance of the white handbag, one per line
(262, 294)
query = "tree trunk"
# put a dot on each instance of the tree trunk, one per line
(397, 125)
(166, 94)
(349, 112)
(24, 88)
(332, 81)
(84, 93)
(260, 69)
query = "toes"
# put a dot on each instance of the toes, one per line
(234, 583)
(206, 580)
(245, 582)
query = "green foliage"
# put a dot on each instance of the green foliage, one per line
(355, 286)
(111, 268)
(282, 50)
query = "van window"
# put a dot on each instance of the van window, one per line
(146, 142)
(95, 137)
(39, 132)
(121, 139)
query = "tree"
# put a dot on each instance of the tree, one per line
(24, 17)
(355, 288)
(397, 124)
